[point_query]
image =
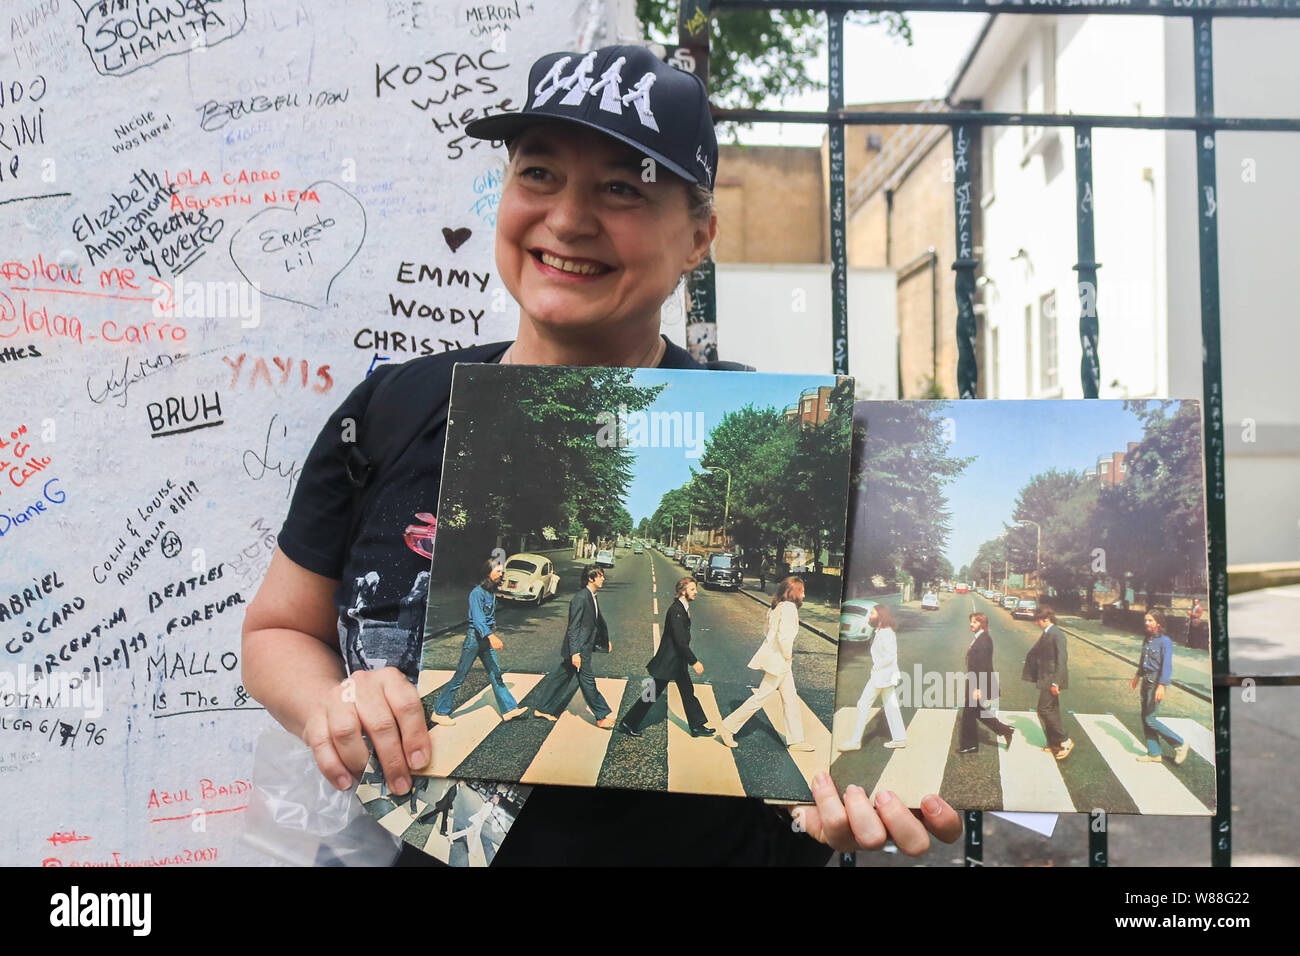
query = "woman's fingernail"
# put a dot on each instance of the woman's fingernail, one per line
(932, 806)
(343, 782)
(821, 780)
(884, 797)
(417, 759)
(854, 788)
(401, 786)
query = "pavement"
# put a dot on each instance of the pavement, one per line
(820, 617)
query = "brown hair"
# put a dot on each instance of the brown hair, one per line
(1161, 624)
(786, 588)
(981, 619)
(1045, 613)
(681, 585)
(884, 617)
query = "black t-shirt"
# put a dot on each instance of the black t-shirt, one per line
(383, 585)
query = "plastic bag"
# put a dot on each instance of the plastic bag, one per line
(296, 816)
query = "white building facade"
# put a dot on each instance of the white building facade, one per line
(1145, 192)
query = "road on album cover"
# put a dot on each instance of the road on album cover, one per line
(1101, 714)
(726, 630)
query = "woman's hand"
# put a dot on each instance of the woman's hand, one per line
(854, 824)
(384, 706)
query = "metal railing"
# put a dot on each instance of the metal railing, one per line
(693, 53)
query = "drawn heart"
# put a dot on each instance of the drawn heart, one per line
(295, 254)
(455, 238)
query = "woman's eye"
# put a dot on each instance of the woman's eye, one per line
(536, 173)
(619, 188)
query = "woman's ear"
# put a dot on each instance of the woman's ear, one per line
(702, 241)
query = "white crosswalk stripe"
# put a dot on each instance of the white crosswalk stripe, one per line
(1029, 779)
(1152, 786)
(917, 769)
(699, 764)
(575, 750)
(1200, 737)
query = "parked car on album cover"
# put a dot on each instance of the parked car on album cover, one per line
(995, 597)
(692, 561)
(1025, 607)
(528, 577)
(637, 548)
(723, 571)
(604, 558)
(1009, 603)
(930, 601)
(853, 619)
(961, 589)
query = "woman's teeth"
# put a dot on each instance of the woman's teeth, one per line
(567, 265)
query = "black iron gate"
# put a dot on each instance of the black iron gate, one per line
(693, 38)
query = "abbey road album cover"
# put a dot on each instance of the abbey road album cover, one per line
(460, 822)
(635, 579)
(1025, 622)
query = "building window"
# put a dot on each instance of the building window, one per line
(1105, 467)
(1029, 349)
(1047, 342)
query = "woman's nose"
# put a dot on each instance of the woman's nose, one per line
(572, 214)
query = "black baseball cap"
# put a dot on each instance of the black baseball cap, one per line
(625, 92)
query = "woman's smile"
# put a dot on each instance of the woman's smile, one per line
(569, 268)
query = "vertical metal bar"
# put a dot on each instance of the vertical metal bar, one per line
(967, 372)
(701, 298)
(838, 218)
(974, 820)
(1089, 366)
(967, 369)
(1212, 385)
(1098, 844)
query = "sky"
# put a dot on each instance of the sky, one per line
(657, 470)
(879, 69)
(1015, 440)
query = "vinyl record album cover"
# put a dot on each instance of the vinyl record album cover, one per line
(636, 579)
(1025, 622)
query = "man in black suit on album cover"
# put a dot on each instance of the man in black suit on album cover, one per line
(670, 664)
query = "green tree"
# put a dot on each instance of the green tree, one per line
(901, 518)
(1152, 524)
(757, 57)
(545, 455)
(1065, 507)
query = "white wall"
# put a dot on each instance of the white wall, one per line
(1256, 73)
(1104, 70)
(388, 182)
(777, 319)
(1147, 240)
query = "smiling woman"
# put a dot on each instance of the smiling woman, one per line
(606, 203)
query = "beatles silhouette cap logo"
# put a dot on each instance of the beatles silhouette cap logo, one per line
(625, 92)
